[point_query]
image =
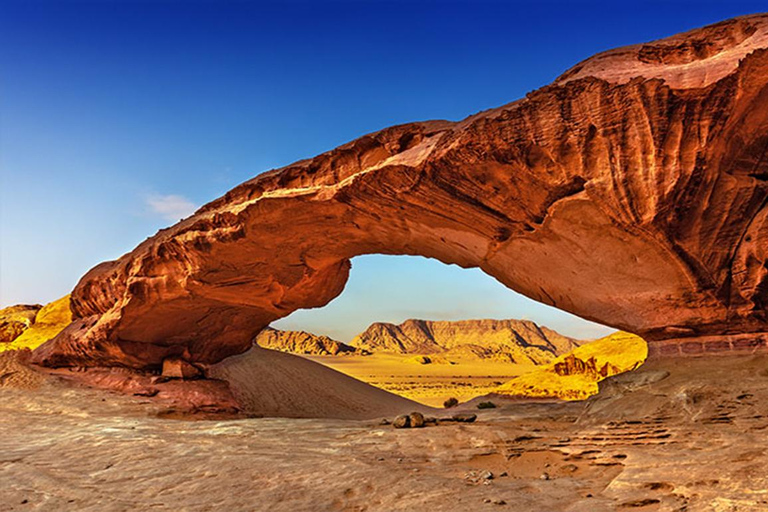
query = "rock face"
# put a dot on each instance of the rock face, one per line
(14, 320)
(575, 376)
(572, 365)
(300, 342)
(49, 321)
(179, 369)
(515, 341)
(632, 191)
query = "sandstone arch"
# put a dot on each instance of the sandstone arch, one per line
(631, 192)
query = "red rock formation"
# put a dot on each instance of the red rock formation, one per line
(632, 191)
(572, 365)
(14, 320)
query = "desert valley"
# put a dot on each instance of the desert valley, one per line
(632, 191)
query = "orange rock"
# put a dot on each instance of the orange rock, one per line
(180, 369)
(632, 191)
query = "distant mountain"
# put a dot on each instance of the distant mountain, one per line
(300, 342)
(514, 341)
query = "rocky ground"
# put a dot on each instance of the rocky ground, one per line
(683, 435)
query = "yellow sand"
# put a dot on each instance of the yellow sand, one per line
(430, 384)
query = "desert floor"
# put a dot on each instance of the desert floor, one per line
(682, 435)
(429, 384)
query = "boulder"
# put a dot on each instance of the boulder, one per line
(176, 368)
(416, 420)
(402, 421)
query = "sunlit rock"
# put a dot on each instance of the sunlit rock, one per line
(631, 191)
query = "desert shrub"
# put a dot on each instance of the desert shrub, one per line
(486, 405)
(451, 402)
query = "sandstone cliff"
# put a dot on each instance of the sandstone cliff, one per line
(300, 342)
(574, 376)
(14, 320)
(25, 326)
(632, 191)
(514, 341)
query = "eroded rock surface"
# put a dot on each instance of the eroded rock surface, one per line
(14, 320)
(632, 191)
(514, 341)
(300, 342)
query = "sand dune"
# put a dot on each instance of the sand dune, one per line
(270, 383)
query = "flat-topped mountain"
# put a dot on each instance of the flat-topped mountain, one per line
(515, 341)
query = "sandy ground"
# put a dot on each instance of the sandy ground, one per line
(692, 440)
(429, 384)
(271, 383)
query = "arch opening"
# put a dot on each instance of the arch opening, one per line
(429, 331)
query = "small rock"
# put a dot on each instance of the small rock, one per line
(570, 468)
(503, 473)
(417, 420)
(487, 500)
(402, 421)
(499, 502)
(147, 392)
(486, 475)
(385, 421)
(544, 476)
(464, 417)
(380, 459)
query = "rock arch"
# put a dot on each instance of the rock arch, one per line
(630, 192)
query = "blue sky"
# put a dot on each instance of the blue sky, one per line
(117, 118)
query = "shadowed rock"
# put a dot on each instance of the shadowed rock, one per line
(632, 192)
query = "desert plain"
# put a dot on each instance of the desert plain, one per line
(682, 435)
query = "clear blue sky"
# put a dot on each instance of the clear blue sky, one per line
(116, 118)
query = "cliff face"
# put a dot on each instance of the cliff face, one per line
(572, 365)
(14, 320)
(632, 191)
(300, 342)
(574, 376)
(516, 341)
(29, 326)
